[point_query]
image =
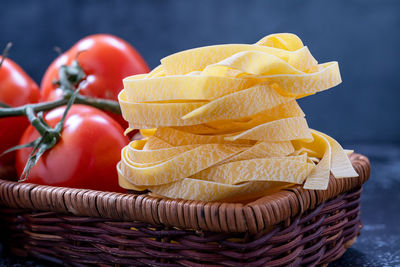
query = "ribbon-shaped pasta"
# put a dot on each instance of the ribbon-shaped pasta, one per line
(222, 122)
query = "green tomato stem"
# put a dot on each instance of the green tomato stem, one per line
(5, 53)
(103, 104)
(35, 121)
(21, 110)
(4, 105)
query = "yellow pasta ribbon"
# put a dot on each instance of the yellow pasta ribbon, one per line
(222, 123)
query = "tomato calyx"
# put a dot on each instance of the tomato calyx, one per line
(70, 76)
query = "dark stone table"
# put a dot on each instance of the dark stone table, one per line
(379, 242)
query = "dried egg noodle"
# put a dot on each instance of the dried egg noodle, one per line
(222, 123)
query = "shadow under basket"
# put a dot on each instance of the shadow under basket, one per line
(78, 227)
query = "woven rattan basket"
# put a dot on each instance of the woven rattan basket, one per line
(83, 227)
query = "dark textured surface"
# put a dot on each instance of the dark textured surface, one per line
(379, 242)
(361, 35)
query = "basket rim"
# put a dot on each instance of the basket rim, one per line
(252, 217)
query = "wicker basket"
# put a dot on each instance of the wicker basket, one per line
(83, 227)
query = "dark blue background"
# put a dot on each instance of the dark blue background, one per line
(362, 35)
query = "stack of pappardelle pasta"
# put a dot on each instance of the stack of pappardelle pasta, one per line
(222, 123)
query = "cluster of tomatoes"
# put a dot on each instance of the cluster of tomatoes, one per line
(91, 140)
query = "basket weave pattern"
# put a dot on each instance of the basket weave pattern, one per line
(289, 228)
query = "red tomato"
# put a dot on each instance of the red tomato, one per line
(16, 88)
(105, 59)
(86, 154)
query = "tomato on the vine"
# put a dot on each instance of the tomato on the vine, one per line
(105, 59)
(85, 156)
(16, 88)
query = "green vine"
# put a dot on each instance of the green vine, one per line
(71, 80)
